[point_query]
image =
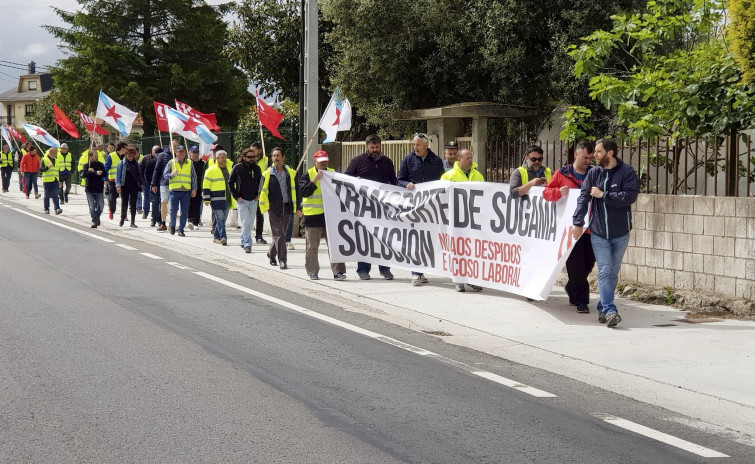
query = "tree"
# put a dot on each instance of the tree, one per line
(248, 130)
(138, 51)
(741, 34)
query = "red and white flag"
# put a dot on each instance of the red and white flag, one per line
(90, 125)
(15, 134)
(62, 120)
(161, 115)
(208, 119)
(269, 117)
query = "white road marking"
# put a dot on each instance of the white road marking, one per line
(664, 437)
(514, 384)
(72, 229)
(391, 341)
(178, 265)
(713, 429)
(125, 247)
(150, 255)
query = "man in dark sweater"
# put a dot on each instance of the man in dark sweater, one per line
(373, 165)
(151, 201)
(244, 183)
(195, 204)
(94, 174)
(160, 186)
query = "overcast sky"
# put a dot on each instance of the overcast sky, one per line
(23, 40)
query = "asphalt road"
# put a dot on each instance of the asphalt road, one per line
(108, 355)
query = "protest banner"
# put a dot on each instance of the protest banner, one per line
(472, 232)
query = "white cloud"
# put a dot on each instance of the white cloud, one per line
(33, 50)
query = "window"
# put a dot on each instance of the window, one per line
(32, 85)
(29, 109)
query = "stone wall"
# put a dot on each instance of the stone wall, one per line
(693, 242)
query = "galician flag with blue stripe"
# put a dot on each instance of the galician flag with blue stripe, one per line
(188, 126)
(337, 117)
(6, 136)
(116, 115)
(40, 135)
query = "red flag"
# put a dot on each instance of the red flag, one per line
(160, 115)
(62, 120)
(90, 125)
(269, 117)
(16, 135)
(208, 119)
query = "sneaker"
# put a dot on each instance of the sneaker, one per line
(422, 278)
(216, 240)
(191, 226)
(262, 241)
(181, 233)
(363, 275)
(47, 211)
(386, 275)
(247, 249)
(613, 319)
(94, 225)
(224, 241)
(601, 318)
(460, 288)
(290, 246)
(58, 211)
(339, 276)
(152, 223)
(313, 277)
(583, 308)
(416, 280)
(475, 288)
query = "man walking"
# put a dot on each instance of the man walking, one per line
(581, 260)
(6, 166)
(65, 172)
(244, 183)
(263, 163)
(314, 218)
(373, 165)
(182, 183)
(465, 170)
(421, 165)
(530, 174)
(111, 164)
(216, 194)
(50, 169)
(151, 200)
(195, 204)
(30, 167)
(278, 197)
(612, 187)
(93, 173)
(160, 186)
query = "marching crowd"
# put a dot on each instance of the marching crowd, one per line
(167, 181)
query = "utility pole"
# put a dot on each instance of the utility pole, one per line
(311, 115)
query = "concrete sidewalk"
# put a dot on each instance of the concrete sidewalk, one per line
(705, 371)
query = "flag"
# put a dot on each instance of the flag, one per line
(62, 120)
(189, 127)
(269, 117)
(337, 117)
(91, 125)
(40, 135)
(160, 116)
(208, 119)
(204, 150)
(15, 134)
(6, 136)
(116, 115)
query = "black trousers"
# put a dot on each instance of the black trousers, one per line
(6, 173)
(112, 197)
(259, 224)
(195, 205)
(128, 199)
(578, 266)
(65, 179)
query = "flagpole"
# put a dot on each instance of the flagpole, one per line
(312, 139)
(161, 137)
(262, 136)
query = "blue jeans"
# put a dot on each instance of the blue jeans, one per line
(139, 199)
(147, 194)
(220, 217)
(247, 215)
(178, 198)
(608, 254)
(51, 191)
(96, 205)
(30, 179)
(367, 267)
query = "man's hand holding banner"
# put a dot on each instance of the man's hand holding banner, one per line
(472, 232)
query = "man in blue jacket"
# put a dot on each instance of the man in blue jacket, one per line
(612, 186)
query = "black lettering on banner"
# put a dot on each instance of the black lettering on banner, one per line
(345, 228)
(523, 215)
(473, 209)
(499, 223)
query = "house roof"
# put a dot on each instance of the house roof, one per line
(469, 110)
(15, 94)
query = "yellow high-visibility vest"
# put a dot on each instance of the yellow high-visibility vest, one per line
(53, 173)
(264, 202)
(457, 175)
(214, 181)
(312, 205)
(526, 177)
(114, 160)
(182, 179)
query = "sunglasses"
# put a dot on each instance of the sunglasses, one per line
(420, 135)
(536, 160)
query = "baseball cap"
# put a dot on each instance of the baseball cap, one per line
(194, 149)
(320, 156)
(180, 147)
(452, 144)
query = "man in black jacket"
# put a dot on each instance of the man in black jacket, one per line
(195, 203)
(612, 186)
(279, 197)
(244, 183)
(151, 201)
(160, 185)
(421, 165)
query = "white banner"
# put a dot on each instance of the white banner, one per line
(472, 232)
